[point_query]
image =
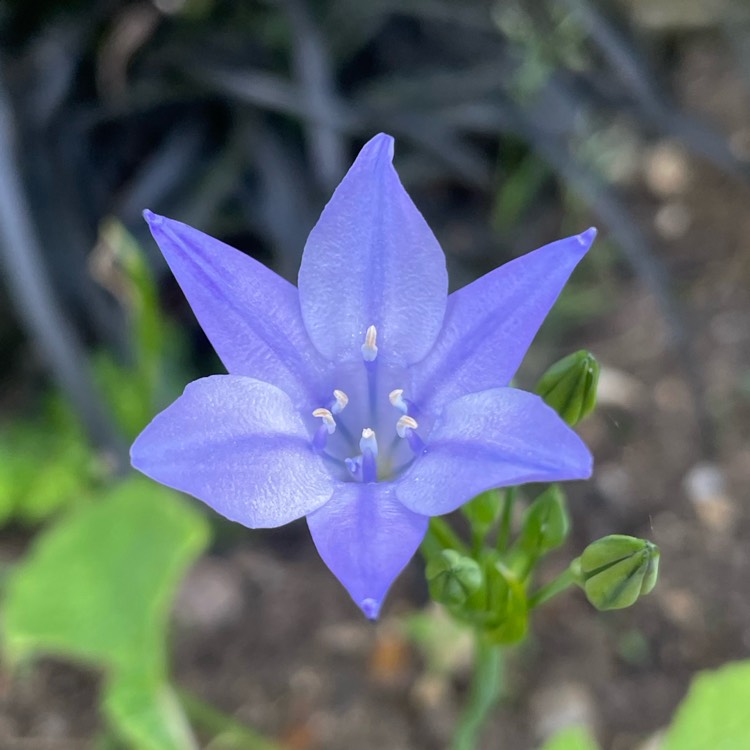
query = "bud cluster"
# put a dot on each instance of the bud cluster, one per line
(486, 583)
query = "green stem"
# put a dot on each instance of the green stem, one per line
(483, 695)
(440, 533)
(503, 536)
(553, 588)
(233, 734)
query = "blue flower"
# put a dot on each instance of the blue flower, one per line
(366, 398)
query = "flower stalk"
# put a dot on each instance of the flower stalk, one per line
(484, 693)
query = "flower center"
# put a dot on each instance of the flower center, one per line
(368, 430)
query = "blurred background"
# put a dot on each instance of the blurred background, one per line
(517, 122)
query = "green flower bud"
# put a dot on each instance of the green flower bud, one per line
(483, 510)
(452, 578)
(507, 607)
(569, 386)
(616, 570)
(545, 524)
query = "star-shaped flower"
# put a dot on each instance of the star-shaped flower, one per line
(366, 398)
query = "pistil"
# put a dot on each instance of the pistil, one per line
(369, 348)
(369, 355)
(396, 397)
(369, 447)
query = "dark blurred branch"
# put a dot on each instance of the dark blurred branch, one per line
(269, 91)
(169, 166)
(31, 291)
(282, 193)
(314, 72)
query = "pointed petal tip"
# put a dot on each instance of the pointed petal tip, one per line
(380, 145)
(587, 238)
(371, 608)
(152, 219)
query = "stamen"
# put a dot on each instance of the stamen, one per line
(405, 424)
(397, 400)
(369, 447)
(328, 421)
(341, 400)
(369, 348)
(405, 428)
(327, 428)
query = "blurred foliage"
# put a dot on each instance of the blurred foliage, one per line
(46, 465)
(573, 738)
(98, 587)
(713, 715)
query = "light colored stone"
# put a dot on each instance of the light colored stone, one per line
(706, 487)
(666, 170)
(562, 705)
(672, 220)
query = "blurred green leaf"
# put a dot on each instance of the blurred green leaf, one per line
(45, 465)
(98, 586)
(147, 714)
(128, 393)
(518, 193)
(573, 738)
(714, 714)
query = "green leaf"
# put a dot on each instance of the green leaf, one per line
(147, 714)
(46, 465)
(98, 585)
(573, 738)
(715, 712)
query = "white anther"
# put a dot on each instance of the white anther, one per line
(327, 418)
(405, 424)
(341, 400)
(397, 400)
(369, 348)
(368, 443)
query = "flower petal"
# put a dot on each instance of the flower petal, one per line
(250, 314)
(238, 445)
(494, 438)
(372, 260)
(490, 323)
(366, 537)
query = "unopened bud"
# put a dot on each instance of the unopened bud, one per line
(616, 570)
(507, 605)
(483, 510)
(569, 386)
(545, 523)
(453, 577)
